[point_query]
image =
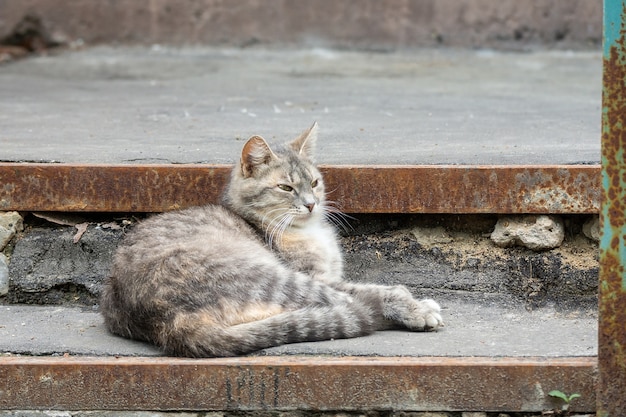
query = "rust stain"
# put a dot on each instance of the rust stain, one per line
(294, 383)
(358, 189)
(612, 292)
(100, 188)
(466, 189)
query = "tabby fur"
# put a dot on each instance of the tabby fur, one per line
(262, 269)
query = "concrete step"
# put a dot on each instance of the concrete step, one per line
(120, 105)
(455, 120)
(514, 346)
(490, 329)
(473, 134)
(489, 356)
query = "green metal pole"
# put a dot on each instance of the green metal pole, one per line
(612, 291)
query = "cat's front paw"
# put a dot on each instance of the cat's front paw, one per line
(425, 316)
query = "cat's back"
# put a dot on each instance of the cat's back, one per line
(207, 221)
(197, 231)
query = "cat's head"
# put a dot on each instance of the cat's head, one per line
(279, 186)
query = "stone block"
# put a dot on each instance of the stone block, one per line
(47, 258)
(533, 232)
(591, 228)
(10, 223)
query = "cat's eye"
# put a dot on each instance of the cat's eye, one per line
(314, 183)
(285, 187)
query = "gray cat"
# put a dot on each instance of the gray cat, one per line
(261, 270)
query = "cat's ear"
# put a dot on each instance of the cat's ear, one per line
(305, 143)
(256, 152)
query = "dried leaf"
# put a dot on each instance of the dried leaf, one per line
(81, 228)
(64, 219)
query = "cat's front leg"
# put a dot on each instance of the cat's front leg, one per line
(398, 306)
(401, 308)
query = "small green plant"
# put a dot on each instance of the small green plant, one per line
(567, 399)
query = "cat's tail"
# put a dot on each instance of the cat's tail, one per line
(197, 335)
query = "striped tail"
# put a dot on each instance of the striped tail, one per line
(194, 337)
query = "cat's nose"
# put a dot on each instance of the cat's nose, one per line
(310, 206)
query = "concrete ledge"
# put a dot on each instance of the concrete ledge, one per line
(490, 329)
(368, 23)
(476, 362)
(131, 105)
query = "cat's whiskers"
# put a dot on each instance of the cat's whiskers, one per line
(266, 215)
(269, 227)
(277, 226)
(280, 228)
(336, 216)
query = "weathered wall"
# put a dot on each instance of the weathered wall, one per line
(376, 24)
(435, 256)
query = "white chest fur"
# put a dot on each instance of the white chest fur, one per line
(316, 249)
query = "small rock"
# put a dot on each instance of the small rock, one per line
(591, 228)
(10, 223)
(4, 275)
(533, 232)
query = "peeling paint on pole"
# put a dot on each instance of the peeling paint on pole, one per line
(612, 329)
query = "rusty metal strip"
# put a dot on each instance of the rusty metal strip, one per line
(290, 383)
(104, 188)
(358, 189)
(612, 292)
(466, 189)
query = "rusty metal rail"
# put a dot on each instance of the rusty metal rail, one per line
(359, 189)
(295, 383)
(612, 292)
